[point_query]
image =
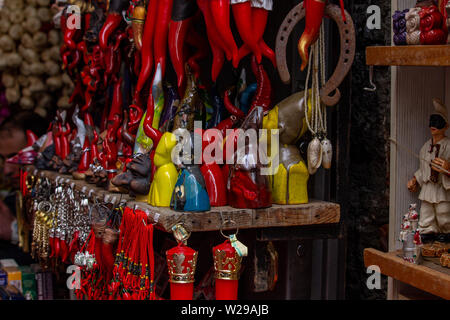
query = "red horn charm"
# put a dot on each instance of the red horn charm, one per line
(314, 14)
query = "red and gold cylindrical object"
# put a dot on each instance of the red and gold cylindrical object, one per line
(181, 262)
(227, 265)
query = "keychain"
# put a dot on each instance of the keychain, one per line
(181, 263)
(227, 265)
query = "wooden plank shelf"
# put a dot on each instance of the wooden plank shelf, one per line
(428, 276)
(314, 213)
(438, 55)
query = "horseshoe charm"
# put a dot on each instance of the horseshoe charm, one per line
(347, 54)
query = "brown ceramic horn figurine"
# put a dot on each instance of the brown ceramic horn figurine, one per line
(347, 39)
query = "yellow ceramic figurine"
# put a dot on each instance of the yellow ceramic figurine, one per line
(289, 183)
(166, 173)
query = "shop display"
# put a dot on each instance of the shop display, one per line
(432, 178)
(30, 61)
(145, 83)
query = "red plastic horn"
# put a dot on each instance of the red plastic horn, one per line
(31, 138)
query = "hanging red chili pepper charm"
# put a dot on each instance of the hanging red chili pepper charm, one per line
(220, 9)
(161, 31)
(242, 12)
(218, 47)
(183, 13)
(147, 48)
(113, 20)
(314, 13)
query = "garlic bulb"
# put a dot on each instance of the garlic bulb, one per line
(63, 102)
(12, 94)
(16, 31)
(14, 5)
(16, 16)
(43, 3)
(36, 85)
(7, 43)
(26, 92)
(44, 14)
(37, 69)
(41, 111)
(26, 103)
(30, 11)
(28, 55)
(54, 83)
(52, 68)
(8, 80)
(45, 101)
(4, 25)
(39, 39)
(54, 38)
(32, 24)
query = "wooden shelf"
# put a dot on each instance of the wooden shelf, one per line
(314, 213)
(408, 55)
(428, 276)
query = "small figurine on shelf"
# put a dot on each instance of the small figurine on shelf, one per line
(433, 178)
(190, 189)
(410, 236)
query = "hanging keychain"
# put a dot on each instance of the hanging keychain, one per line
(181, 263)
(227, 265)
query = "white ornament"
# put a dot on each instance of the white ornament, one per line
(327, 153)
(314, 155)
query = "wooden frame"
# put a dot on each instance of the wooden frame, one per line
(427, 276)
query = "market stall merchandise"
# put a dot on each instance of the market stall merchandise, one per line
(425, 25)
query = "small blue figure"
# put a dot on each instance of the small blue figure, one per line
(190, 191)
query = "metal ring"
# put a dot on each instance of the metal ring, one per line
(225, 223)
(180, 233)
(45, 203)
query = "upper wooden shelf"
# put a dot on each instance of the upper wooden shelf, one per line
(408, 55)
(428, 276)
(313, 213)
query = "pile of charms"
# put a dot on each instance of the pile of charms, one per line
(61, 221)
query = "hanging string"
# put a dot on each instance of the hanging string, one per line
(317, 122)
(323, 79)
(306, 94)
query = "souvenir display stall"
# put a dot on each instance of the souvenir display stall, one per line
(155, 87)
(419, 241)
